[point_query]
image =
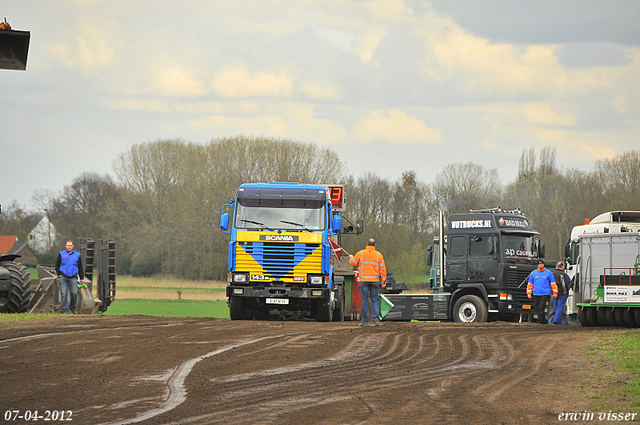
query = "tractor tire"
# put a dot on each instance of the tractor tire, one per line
(618, 316)
(582, 317)
(629, 321)
(470, 308)
(18, 298)
(592, 316)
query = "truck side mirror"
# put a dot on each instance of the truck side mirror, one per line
(430, 256)
(359, 226)
(542, 250)
(336, 223)
(567, 250)
(224, 221)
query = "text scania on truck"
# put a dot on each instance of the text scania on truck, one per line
(280, 251)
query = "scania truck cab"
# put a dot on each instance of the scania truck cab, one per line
(280, 251)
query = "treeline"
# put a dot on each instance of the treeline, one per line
(164, 202)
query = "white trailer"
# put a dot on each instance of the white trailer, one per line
(607, 280)
(612, 222)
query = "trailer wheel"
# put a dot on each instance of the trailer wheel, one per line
(592, 316)
(627, 316)
(618, 316)
(636, 316)
(18, 298)
(605, 316)
(470, 308)
(582, 317)
(324, 311)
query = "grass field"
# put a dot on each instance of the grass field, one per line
(169, 308)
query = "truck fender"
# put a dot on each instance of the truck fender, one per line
(469, 288)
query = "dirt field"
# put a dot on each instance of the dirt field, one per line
(121, 370)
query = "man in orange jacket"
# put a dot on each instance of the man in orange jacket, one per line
(372, 273)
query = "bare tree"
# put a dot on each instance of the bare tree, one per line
(463, 186)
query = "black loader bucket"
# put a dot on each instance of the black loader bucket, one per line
(14, 47)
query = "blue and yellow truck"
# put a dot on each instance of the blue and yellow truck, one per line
(280, 252)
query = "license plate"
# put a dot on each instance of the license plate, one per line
(277, 301)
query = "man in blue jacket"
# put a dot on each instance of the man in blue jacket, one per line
(540, 287)
(68, 268)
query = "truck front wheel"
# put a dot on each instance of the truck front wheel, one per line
(470, 308)
(236, 308)
(324, 311)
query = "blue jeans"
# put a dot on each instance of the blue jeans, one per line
(369, 290)
(559, 318)
(70, 283)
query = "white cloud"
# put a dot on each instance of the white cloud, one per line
(94, 47)
(484, 68)
(237, 83)
(367, 43)
(319, 91)
(545, 114)
(395, 127)
(574, 144)
(177, 81)
(388, 10)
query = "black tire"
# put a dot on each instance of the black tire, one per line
(237, 308)
(609, 317)
(324, 311)
(338, 312)
(469, 309)
(618, 316)
(636, 316)
(592, 316)
(627, 316)
(605, 316)
(582, 316)
(18, 298)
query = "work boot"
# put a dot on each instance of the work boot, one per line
(376, 322)
(363, 324)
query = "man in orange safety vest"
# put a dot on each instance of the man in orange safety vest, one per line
(372, 273)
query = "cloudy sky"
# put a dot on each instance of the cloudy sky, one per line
(390, 85)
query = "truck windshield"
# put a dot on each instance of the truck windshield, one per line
(519, 248)
(282, 217)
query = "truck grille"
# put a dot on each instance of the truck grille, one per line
(280, 260)
(514, 281)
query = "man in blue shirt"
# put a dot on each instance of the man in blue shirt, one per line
(68, 268)
(540, 287)
(564, 285)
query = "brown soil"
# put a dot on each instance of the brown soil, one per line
(126, 369)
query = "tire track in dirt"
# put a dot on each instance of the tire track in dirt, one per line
(252, 390)
(183, 371)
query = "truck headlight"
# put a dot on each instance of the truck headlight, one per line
(315, 280)
(240, 278)
(238, 291)
(316, 293)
